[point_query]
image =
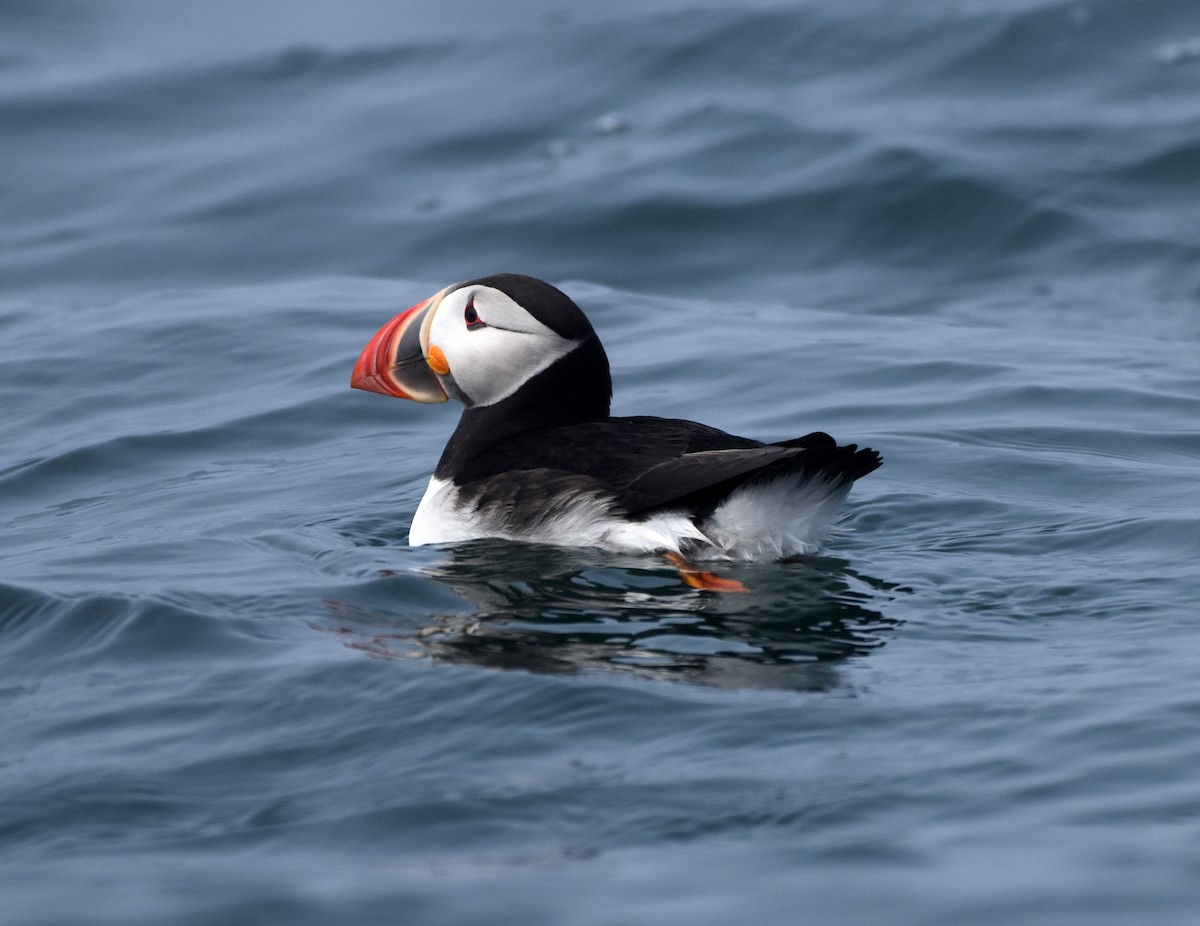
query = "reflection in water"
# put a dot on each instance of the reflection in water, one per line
(546, 609)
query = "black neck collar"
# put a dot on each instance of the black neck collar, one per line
(576, 387)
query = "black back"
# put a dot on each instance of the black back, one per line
(644, 464)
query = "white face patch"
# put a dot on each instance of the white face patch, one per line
(491, 344)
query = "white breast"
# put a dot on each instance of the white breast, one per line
(438, 520)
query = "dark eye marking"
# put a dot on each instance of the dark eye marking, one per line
(471, 317)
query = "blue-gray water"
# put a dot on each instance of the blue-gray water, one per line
(964, 233)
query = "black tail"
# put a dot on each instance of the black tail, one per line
(824, 456)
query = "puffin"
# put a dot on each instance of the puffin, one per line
(537, 457)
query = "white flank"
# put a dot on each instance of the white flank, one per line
(759, 523)
(581, 521)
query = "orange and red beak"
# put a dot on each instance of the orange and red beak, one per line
(393, 362)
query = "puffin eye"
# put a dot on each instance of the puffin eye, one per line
(470, 316)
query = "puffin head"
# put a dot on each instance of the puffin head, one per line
(478, 342)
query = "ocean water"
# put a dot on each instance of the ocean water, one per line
(964, 233)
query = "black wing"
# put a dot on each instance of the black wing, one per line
(650, 463)
(683, 477)
(700, 481)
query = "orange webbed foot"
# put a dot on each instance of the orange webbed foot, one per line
(701, 579)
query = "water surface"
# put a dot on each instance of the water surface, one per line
(961, 233)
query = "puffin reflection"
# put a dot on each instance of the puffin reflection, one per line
(555, 610)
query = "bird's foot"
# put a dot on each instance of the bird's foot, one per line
(701, 579)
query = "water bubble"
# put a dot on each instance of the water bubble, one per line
(1174, 52)
(610, 124)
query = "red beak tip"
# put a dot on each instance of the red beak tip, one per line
(389, 364)
(373, 382)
